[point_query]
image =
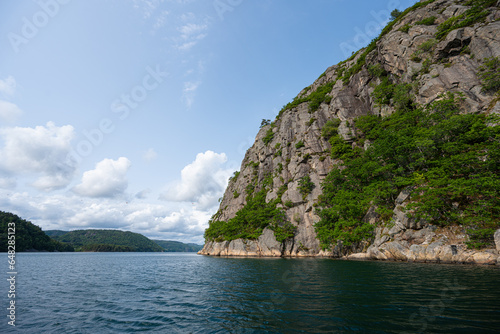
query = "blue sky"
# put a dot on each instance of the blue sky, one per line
(132, 114)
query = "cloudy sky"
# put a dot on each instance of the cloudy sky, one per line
(133, 114)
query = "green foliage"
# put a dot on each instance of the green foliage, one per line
(320, 96)
(234, 177)
(279, 169)
(476, 13)
(311, 121)
(382, 94)
(283, 231)
(236, 194)
(405, 28)
(398, 93)
(426, 66)
(315, 98)
(27, 236)
(269, 136)
(289, 204)
(416, 57)
(330, 128)
(490, 75)
(249, 189)
(249, 222)
(395, 14)
(481, 238)
(340, 148)
(377, 70)
(281, 191)
(265, 122)
(450, 160)
(402, 98)
(306, 186)
(428, 21)
(88, 240)
(427, 45)
(299, 144)
(105, 248)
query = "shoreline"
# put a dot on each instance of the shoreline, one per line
(361, 257)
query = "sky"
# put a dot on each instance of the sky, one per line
(133, 114)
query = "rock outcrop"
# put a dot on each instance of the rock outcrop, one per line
(292, 147)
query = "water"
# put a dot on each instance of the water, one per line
(188, 293)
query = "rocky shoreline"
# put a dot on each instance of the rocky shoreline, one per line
(405, 247)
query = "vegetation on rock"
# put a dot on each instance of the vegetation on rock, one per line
(451, 161)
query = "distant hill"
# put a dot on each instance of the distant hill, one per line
(106, 241)
(55, 233)
(27, 236)
(176, 246)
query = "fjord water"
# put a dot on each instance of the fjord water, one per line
(189, 293)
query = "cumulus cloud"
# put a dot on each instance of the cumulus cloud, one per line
(9, 111)
(202, 182)
(40, 150)
(108, 179)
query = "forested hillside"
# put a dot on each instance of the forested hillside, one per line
(27, 236)
(108, 241)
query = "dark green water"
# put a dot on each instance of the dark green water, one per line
(188, 293)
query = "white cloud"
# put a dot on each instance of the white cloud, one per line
(191, 33)
(150, 155)
(108, 179)
(40, 150)
(8, 86)
(188, 30)
(186, 46)
(9, 112)
(202, 182)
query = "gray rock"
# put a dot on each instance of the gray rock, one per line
(497, 239)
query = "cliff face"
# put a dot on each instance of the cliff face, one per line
(291, 157)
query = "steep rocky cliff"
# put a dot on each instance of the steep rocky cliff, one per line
(432, 48)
